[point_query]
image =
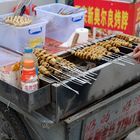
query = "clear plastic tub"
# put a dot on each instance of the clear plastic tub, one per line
(60, 27)
(17, 38)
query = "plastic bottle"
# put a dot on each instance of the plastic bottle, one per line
(29, 74)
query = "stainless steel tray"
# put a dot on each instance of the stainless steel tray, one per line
(24, 100)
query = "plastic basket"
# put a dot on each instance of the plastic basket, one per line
(60, 27)
(17, 38)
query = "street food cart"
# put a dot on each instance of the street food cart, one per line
(104, 105)
(97, 99)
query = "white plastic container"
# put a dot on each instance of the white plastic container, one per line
(17, 38)
(60, 27)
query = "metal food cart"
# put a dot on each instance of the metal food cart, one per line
(105, 109)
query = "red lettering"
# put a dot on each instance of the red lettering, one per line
(90, 126)
(118, 126)
(127, 106)
(137, 100)
(137, 118)
(105, 118)
(102, 132)
(126, 122)
(98, 135)
(111, 129)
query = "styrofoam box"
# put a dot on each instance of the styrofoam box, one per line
(60, 27)
(17, 38)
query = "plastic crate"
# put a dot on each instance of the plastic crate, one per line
(60, 27)
(17, 38)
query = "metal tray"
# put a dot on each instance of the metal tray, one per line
(24, 100)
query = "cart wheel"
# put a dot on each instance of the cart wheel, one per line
(11, 126)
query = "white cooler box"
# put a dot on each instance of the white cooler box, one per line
(17, 38)
(60, 27)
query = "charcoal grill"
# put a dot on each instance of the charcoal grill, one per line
(110, 73)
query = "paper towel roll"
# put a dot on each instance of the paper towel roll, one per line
(83, 35)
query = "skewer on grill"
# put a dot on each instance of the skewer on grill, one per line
(111, 45)
(65, 85)
(45, 72)
(128, 38)
(52, 59)
(123, 57)
(118, 63)
(127, 48)
(113, 61)
(90, 77)
(125, 61)
(79, 72)
(49, 57)
(79, 79)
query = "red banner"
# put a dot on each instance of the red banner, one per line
(137, 11)
(110, 15)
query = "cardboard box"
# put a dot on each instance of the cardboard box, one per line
(106, 17)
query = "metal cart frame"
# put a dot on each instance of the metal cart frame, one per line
(111, 118)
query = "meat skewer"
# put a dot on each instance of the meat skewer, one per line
(79, 79)
(128, 38)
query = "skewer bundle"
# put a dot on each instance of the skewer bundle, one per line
(110, 46)
(51, 64)
(128, 38)
(121, 42)
(105, 48)
(114, 44)
(18, 21)
(92, 53)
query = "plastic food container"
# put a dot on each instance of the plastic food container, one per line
(60, 27)
(17, 38)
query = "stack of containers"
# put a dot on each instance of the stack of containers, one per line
(18, 38)
(60, 27)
